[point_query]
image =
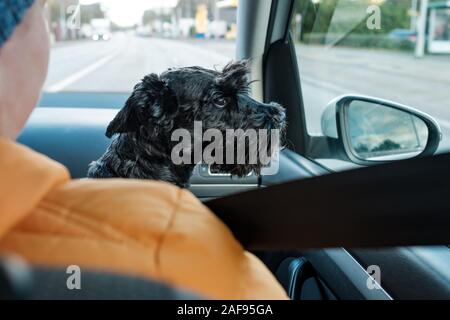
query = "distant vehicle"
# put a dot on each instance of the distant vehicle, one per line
(101, 29)
(86, 31)
(403, 34)
(144, 31)
(217, 29)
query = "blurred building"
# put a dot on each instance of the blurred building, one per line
(205, 17)
(59, 12)
(227, 10)
(439, 27)
(188, 8)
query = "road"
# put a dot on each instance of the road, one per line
(118, 64)
(423, 84)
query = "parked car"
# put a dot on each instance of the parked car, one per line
(403, 34)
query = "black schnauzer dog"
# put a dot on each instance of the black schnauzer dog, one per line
(176, 99)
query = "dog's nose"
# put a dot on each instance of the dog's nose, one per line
(278, 111)
(270, 108)
(276, 114)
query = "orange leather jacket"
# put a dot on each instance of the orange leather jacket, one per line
(148, 229)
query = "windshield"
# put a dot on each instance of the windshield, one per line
(107, 46)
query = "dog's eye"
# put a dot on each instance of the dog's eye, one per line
(220, 102)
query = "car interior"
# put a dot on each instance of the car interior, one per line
(70, 128)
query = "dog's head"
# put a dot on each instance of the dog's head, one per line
(178, 97)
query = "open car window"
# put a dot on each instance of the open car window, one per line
(373, 48)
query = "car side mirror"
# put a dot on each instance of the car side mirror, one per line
(372, 130)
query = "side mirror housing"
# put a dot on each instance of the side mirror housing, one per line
(370, 130)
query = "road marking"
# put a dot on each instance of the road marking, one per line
(60, 85)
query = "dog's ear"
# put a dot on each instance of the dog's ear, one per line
(235, 75)
(151, 99)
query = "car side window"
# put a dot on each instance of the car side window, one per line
(374, 48)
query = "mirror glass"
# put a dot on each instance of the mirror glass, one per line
(378, 132)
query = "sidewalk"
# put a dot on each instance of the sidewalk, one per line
(385, 61)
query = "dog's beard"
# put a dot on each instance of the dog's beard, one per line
(239, 170)
(242, 166)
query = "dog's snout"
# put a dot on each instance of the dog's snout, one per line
(245, 101)
(276, 115)
(270, 115)
(277, 111)
(271, 108)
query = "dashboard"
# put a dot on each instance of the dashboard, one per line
(76, 136)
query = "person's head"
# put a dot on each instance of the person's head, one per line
(24, 53)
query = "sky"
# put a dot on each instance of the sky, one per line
(129, 12)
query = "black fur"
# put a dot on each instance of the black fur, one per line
(142, 146)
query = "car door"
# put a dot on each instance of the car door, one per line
(316, 51)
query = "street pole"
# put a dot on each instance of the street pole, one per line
(413, 14)
(216, 11)
(62, 19)
(422, 29)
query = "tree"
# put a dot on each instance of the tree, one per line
(387, 145)
(89, 12)
(150, 16)
(317, 16)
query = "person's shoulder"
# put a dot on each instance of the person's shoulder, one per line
(146, 210)
(173, 233)
(141, 207)
(120, 196)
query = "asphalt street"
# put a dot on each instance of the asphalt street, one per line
(117, 65)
